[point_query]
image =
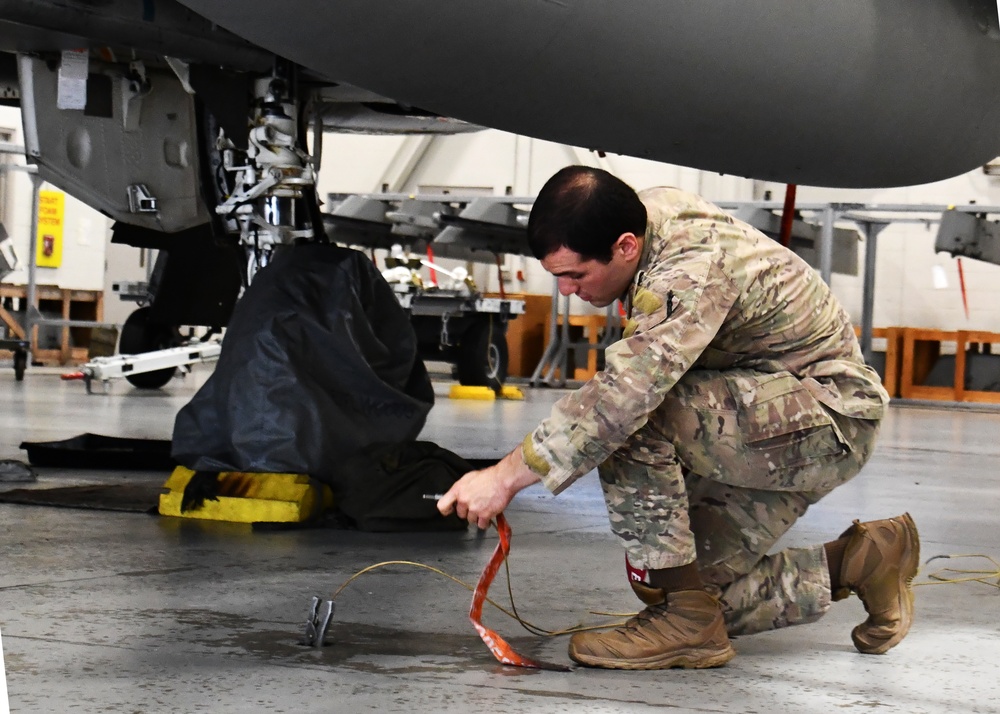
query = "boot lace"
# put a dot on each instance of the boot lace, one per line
(647, 615)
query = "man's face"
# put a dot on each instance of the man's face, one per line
(595, 282)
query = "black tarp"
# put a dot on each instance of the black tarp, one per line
(318, 362)
(382, 487)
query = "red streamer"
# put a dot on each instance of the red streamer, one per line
(961, 284)
(430, 259)
(788, 215)
(497, 644)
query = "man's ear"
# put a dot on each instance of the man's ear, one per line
(629, 245)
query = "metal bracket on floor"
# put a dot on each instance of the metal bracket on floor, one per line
(104, 369)
(320, 616)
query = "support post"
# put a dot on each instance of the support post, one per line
(826, 244)
(551, 351)
(562, 361)
(872, 230)
(31, 313)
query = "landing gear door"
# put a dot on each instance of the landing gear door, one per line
(131, 152)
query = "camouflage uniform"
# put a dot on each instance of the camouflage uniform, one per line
(736, 398)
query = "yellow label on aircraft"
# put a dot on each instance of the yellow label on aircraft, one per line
(51, 217)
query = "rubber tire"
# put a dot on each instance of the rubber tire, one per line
(482, 355)
(20, 364)
(138, 336)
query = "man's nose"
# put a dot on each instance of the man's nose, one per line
(566, 286)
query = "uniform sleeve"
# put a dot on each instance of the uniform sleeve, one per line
(678, 308)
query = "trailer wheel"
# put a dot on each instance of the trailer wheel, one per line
(140, 335)
(20, 364)
(482, 356)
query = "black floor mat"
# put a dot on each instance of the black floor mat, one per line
(111, 453)
(95, 451)
(132, 498)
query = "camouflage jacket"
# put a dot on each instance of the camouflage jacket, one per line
(713, 293)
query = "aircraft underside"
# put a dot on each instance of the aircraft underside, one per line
(189, 118)
(838, 93)
(852, 93)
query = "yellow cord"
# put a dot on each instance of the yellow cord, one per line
(512, 613)
(947, 576)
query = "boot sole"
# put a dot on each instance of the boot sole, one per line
(686, 659)
(908, 571)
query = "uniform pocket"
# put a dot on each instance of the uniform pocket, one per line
(775, 405)
(789, 438)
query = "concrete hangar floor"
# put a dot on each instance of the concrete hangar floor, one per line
(128, 612)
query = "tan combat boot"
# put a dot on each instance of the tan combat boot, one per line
(685, 631)
(880, 561)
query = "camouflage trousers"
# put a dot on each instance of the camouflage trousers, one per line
(721, 470)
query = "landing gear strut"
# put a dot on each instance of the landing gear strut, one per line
(274, 182)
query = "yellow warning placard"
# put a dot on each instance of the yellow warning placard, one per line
(51, 218)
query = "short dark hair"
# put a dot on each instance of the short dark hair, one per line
(586, 210)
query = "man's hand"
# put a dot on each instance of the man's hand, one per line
(480, 496)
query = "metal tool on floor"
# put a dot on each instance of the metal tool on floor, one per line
(320, 616)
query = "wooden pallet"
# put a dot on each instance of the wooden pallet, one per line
(893, 337)
(921, 349)
(71, 305)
